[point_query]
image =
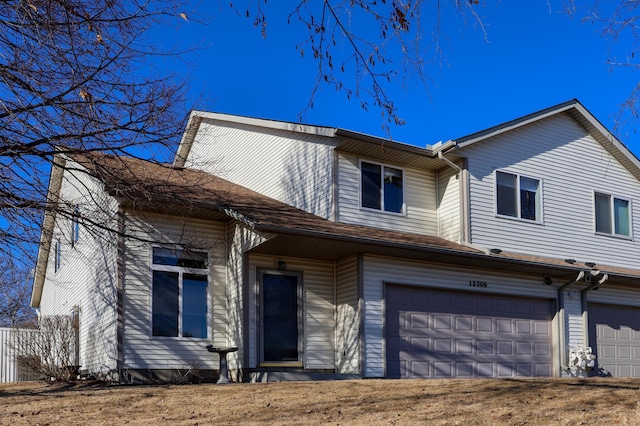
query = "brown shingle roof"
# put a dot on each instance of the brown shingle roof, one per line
(152, 185)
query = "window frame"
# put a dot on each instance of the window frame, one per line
(612, 212)
(181, 270)
(539, 211)
(403, 209)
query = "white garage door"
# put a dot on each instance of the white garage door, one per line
(614, 335)
(439, 333)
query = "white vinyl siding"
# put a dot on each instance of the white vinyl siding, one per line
(347, 318)
(571, 165)
(420, 200)
(294, 168)
(449, 202)
(87, 273)
(240, 240)
(141, 350)
(610, 294)
(379, 271)
(318, 300)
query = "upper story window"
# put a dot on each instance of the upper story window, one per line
(179, 293)
(612, 215)
(75, 226)
(381, 187)
(57, 256)
(518, 196)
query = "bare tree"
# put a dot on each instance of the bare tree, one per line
(617, 22)
(15, 291)
(373, 43)
(74, 77)
(50, 350)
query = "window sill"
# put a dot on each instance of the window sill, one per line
(181, 339)
(616, 236)
(517, 219)
(396, 214)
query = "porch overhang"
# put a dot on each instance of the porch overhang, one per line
(308, 245)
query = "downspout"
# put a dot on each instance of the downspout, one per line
(562, 335)
(335, 318)
(585, 312)
(464, 198)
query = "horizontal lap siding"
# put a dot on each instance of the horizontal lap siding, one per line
(420, 198)
(378, 271)
(611, 294)
(571, 165)
(347, 317)
(291, 167)
(449, 204)
(140, 349)
(87, 276)
(318, 299)
(240, 240)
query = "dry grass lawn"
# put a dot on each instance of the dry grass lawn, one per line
(388, 402)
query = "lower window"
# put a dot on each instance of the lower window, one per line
(180, 290)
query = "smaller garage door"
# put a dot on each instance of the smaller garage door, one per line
(439, 333)
(614, 334)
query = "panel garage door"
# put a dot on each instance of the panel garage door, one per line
(614, 335)
(439, 333)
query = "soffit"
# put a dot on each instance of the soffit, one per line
(392, 153)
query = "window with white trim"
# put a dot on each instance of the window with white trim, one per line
(381, 187)
(180, 283)
(612, 215)
(518, 196)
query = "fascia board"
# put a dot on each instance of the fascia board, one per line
(514, 124)
(46, 235)
(197, 117)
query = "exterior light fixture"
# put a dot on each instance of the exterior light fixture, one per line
(281, 265)
(548, 280)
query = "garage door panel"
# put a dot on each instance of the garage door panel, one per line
(471, 335)
(464, 346)
(613, 332)
(484, 325)
(542, 349)
(503, 326)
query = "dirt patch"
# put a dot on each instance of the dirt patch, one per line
(438, 402)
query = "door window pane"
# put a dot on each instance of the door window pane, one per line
(280, 317)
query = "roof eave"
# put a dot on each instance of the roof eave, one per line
(44, 248)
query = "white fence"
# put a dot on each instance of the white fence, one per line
(10, 370)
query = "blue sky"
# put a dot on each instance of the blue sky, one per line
(535, 56)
